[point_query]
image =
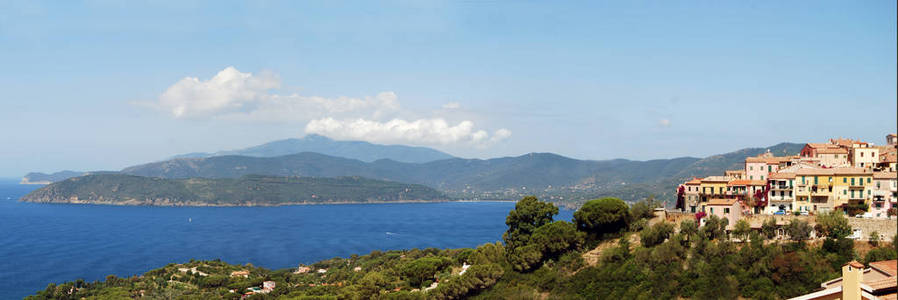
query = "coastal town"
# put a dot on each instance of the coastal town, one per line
(856, 177)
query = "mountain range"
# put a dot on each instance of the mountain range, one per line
(360, 150)
(550, 176)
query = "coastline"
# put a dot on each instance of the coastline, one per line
(193, 204)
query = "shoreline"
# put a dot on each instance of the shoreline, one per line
(132, 203)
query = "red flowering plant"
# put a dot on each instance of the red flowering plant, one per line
(700, 215)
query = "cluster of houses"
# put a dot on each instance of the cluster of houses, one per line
(842, 174)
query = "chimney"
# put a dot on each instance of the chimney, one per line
(852, 274)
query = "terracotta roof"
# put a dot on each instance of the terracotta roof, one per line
(814, 171)
(832, 151)
(888, 266)
(738, 182)
(726, 202)
(885, 175)
(694, 181)
(782, 175)
(846, 142)
(885, 283)
(888, 157)
(851, 171)
(855, 264)
(716, 179)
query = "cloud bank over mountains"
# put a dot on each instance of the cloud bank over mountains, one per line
(239, 96)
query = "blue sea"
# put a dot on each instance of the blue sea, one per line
(44, 243)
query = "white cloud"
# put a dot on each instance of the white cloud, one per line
(235, 95)
(434, 131)
(664, 122)
(232, 94)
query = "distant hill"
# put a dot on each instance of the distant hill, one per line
(43, 178)
(550, 176)
(250, 190)
(363, 151)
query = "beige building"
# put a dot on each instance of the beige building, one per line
(885, 193)
(691, 194)
(860, 283)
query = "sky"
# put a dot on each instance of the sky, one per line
(102, 85)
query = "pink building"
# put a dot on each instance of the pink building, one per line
(729, 209)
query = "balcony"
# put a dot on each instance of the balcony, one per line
(780, 187)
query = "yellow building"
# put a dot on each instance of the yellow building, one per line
(852, 185)
(713, 187)
(814, 190)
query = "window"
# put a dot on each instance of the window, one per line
(752, 168)
(844, 192)
(852, 181)
(752, 177)
(726, 210)
(844, 180)
(769, 169)
(712, 210)
(815, 179)
(868, 180)
(762, 177)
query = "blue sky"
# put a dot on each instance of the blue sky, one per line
(100, 85)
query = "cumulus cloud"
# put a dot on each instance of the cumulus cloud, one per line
(422, 131)
(233, 94)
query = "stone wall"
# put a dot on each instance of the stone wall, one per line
(886, 228)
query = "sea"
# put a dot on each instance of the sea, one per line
(55, 243)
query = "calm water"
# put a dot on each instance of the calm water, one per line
(43, 243)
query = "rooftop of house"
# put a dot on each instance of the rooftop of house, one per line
(832, 151)
(885, 175)
(782, 175)
(694, 181)
(746, 182)
(716, 179)
(852, 171)
(888, 266)
(721, 202)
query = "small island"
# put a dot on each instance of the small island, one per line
(249, 190)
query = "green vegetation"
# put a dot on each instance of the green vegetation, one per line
(248, 190)
(551, 177)
(543, 258)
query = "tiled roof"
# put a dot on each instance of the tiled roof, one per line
(694, 181)
(716, 179)
(885, 283)
(852, 171)
(814, 171)
(832, 151)
(856, 264)
(782, 175)
(726, 202)
(885, 175)
(888, 266)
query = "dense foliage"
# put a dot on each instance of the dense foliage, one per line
(246, 190)
(543, 259)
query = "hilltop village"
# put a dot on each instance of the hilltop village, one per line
(856, 177)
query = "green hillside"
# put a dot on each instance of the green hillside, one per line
(553, 177)
(122, 189)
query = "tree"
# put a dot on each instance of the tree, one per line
(874, 238)
(798, 230)
(833, 225)
(741, 229)
(528, 215)
(644, 209)
(768, 228)
(419, 270)
(557, 237)
(600, 216)
(655, 234)
(689, 227)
